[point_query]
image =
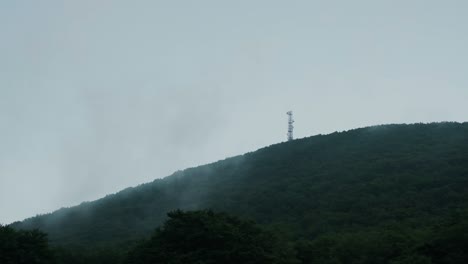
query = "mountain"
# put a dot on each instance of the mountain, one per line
(402, 177)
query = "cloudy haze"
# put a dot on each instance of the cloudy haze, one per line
(96, 96)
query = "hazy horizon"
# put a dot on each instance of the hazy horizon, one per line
(99, 96)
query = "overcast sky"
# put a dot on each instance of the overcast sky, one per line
(97, 95)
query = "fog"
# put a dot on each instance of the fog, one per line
(96, 96)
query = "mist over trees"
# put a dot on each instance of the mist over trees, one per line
(384, 194)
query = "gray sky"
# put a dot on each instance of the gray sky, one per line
(97, 95)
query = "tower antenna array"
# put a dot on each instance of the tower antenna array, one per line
(290, 125)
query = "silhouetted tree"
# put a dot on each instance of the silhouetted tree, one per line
(24, 246)
(208, 237)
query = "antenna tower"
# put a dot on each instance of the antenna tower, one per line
(290, 125)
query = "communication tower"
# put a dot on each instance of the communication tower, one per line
(290, 125)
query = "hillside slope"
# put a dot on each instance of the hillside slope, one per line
(414, 176)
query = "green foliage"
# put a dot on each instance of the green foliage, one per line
(102, 255)
(208, 237)
(24, 247)
(366, 247)
(384, 194)
(449, 244)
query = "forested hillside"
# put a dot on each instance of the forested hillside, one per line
(401, 186)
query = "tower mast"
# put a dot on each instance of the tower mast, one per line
(290, 125)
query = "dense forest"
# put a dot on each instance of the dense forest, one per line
(382, 194)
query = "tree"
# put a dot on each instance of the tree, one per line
(209, 237)
(24, 246)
